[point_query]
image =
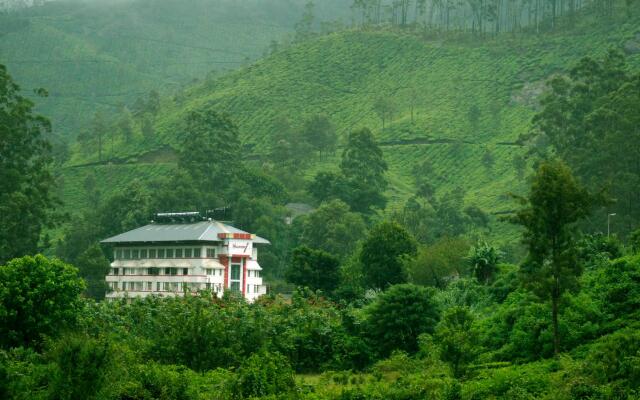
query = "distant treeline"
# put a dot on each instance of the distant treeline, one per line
(476, 16)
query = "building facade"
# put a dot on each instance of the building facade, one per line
(171, 259)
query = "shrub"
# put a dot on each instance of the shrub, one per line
(263, 374)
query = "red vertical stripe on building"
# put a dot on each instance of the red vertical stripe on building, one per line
(224, 260)
(244, 277)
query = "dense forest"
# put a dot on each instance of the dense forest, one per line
(450, 190)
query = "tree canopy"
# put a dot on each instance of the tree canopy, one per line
(26, 191)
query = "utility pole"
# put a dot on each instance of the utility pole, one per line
(609, 223)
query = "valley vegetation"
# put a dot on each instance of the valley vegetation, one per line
(437, 217)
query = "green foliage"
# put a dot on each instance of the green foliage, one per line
(439, 263)
(634, 240)
(590, 118)
(333, 228)
(93, 267)
(399, 315)
(26, 192)
(596, 250)
(320, 133)
(263, 374)
(38, 297)
(556, 202)
(382, 255)
(616, 287)
(315, 269)
(616, 357)
(207, 133)
(457, 338)
(82, 366)
(363, 167)
(484, 261)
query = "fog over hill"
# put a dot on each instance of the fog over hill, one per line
(98, 55)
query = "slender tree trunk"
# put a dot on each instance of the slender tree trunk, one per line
(555, 298)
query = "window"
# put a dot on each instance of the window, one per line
(143, 254)
(235, 272)
(256, 288)
(178, 253)
(127, 254)
(152, 253)
(188, 253)
(160, 253)
(153, 271)
(211, 252)
(119, 254)
(169, 253)
(132, 285)
(185, 271)
(158, 286)
(124, 285)
(165, 286)
(235, 277)
(196, 253)
(248, 288)
(115, 271)
(135, 254)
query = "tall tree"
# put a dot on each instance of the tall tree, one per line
(99, 130)
(315, 269)
(364, 167)
(320, 133)
(333, 228)
(591, 119)
(210, 153)
(304, 27)
(385, 108)
(382, 255)
(555, 203)
(26, 198)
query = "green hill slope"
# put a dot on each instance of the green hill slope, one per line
(94, 55)
(469, 99)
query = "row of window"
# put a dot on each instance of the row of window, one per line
(164, 286)
(157, 271)
(160, 253)
(154, 271)
(175, 287)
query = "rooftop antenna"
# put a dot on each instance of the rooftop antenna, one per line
(218, 213)
(178, 217)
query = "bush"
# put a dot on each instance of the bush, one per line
(398, 316)
(38, 297)
(263, 374)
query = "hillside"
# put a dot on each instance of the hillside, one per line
(342, 74)
(98, 55)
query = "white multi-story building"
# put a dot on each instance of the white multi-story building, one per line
(170, 259)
